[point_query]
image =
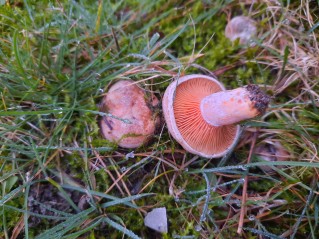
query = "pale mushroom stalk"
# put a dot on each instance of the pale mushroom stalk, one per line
(232, 106)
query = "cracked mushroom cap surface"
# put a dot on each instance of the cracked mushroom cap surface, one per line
(181, 107)
(133, 122)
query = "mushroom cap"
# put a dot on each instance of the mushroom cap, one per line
(241, 27)
(271, 151)
(128, 102)
(181, 107)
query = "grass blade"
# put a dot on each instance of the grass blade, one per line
(121, 228)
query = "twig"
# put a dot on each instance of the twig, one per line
(18, 228)
(116, 41)
(244, 195)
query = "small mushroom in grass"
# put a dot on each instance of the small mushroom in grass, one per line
(201, 115)
(271, 152)
(133, 123)
(241, 27)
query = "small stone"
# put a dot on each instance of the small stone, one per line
(157, 220)
(130, 155)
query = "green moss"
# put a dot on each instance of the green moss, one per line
(10, 217)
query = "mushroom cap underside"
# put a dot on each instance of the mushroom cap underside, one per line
(181, 107)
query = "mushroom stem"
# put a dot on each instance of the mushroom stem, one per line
(232, 106)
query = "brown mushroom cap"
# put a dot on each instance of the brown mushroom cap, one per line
(181, 107)
(271, 151)
(134, 123)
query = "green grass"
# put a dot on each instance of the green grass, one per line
(60, 179)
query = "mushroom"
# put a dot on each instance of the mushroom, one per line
(241, 27)
(271, 151)
(131, 122)
(201, 115)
